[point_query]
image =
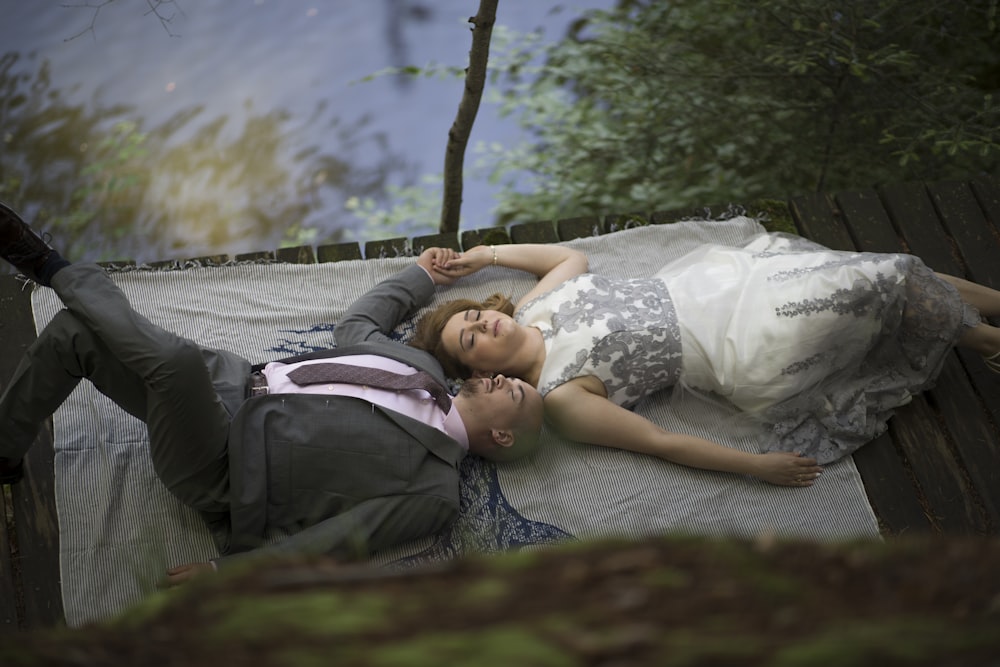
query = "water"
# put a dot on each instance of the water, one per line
(245, 123)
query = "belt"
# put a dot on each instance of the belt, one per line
(256, 384)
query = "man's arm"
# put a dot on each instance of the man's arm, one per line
(377, 313)
(370, 525)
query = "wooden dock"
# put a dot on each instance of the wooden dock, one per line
(937, 470)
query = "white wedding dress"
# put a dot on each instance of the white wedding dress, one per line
(819, 345)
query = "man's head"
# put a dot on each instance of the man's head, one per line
(503, 416)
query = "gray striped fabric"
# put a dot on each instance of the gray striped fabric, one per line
(119, 528)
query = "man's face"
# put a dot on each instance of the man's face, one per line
(510, 402)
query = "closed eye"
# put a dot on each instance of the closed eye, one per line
(470, 316)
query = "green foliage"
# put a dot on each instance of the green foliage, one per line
(661, 105)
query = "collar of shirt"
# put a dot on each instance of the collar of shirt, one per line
(415, 403)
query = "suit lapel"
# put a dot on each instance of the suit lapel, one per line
(436, 442)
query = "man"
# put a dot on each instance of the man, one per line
(339, 467)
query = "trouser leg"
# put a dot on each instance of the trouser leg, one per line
(64, 353)
(188, 420)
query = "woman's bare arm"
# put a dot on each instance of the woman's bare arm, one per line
(580, 413)
(553, 264)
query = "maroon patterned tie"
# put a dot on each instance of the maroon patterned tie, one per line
(373, 377)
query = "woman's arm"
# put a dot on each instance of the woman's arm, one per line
(553, 264)
(581, 414)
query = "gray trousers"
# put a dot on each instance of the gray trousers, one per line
(185, 393)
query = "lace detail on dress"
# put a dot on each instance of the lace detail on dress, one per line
(624, 332)
(921, 318)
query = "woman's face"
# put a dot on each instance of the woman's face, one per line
(483, 340)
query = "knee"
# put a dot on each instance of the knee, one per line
(64, 333)
(179, 360)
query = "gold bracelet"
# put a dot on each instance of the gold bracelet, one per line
(494, 255)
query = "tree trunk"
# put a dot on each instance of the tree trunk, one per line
(461, 128)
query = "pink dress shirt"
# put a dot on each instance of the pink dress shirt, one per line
(414, 403)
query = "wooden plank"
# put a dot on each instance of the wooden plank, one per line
(913, 214)
(204, 260)
(890, 488)
(935, 442)
(816, 219)
(337, 252)
(9, 579)
(618, 222)
(260, 255)
(396, 247)
(33, 498)
(534, 232)
(987, 192)
(575, 228)
(486, 236)
(976, 239)
(962, 210)
(977, 444)
(421, 243)
(928, 452)
(969, 401)
(665, 217)
(896, 500)
(302, 254)
(868, 221)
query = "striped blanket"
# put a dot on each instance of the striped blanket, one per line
(119, 528)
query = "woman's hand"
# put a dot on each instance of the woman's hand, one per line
(788, 469)
(435, 260)
(468, 262)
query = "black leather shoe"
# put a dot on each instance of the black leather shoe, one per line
(11, 473)
(20, 245)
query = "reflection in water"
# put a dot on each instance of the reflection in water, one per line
(108, 188)
(235, 127)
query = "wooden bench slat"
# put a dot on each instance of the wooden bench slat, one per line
(913, 214)
(421, 243)
(868, 221)
(395, 247)
(896, 501)
(8, 590)
(871, 224)
(987, 192)
(486, 236)
(969, 403)
(977, 443)
(966, 223)
(890, 489)
(816, 220)
(338, 252)
(33, 498)
(534, 232)
(575, 228)
(929, 454)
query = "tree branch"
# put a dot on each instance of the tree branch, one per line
(98, 5)
(461, 128)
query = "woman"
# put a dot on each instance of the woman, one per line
(818, 345)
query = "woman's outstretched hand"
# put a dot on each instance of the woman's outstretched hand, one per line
(788, 469)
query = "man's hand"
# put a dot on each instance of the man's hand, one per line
(182, 574)
(433, 260)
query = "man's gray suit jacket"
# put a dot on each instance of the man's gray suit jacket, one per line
(338, 474)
